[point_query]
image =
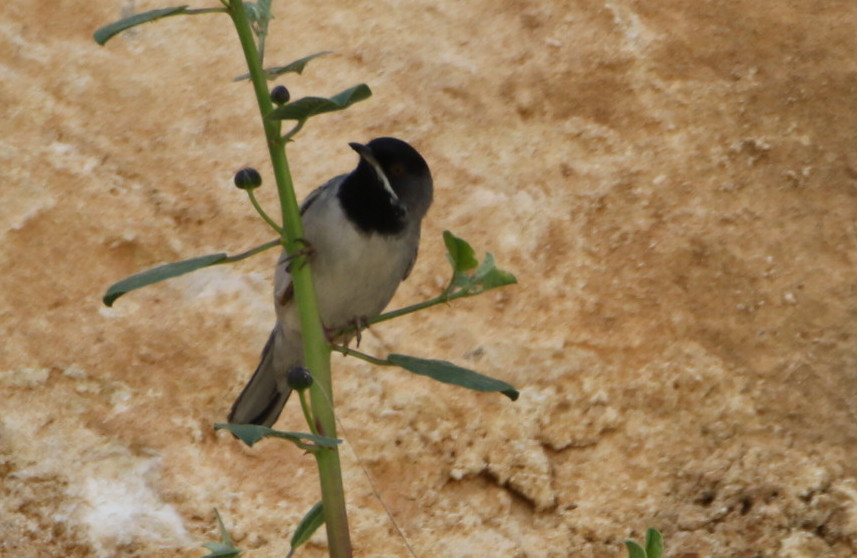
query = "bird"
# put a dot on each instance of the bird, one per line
(362, 233)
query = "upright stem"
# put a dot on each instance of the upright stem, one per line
(316, 347)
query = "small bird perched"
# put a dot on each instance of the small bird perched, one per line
(363, 232)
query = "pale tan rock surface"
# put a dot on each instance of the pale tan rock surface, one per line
(674, 184)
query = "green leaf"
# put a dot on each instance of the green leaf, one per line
(170, 270)
(219, 550)
(488, 276)
(265, 9)
(160, 273)
(225, 538)
(310, 523)
(259, 15)
(459, 253)
(224, 548)
(296, 67)
(306, 107)
(635, 550)
(107, 32)
(654, 543)
(450, 373)
(462, 259)
(252, 433)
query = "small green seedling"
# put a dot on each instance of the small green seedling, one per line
(654, 546)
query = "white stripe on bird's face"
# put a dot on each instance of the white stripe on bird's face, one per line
(381, 175)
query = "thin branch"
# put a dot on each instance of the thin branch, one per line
(273, 224)
(252, 251)
(295, 129)
(362, 356)
(205, 11)
(445, 297)
(306, 410)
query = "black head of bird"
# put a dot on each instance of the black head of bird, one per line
(390, 188)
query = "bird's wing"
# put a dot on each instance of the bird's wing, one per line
(413, 259)
(284, 291)
(315, 194)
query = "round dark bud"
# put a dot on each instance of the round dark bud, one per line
(280, 95)
(248, 178)
(299, 378)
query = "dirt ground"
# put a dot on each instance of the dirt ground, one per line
(674, 185)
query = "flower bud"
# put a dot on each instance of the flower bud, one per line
(299, 378)
(248, 179)
(280, 95)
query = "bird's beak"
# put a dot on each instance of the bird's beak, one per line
(366, 154)
(362, 150)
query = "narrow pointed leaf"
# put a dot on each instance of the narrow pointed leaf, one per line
(223, 548)
(488, 277)
(265, 9)
(308, 525)
(635, 550)
(450, 373)
(306, 107)
(225, 538)
(654, 543)
(296, 67)
(252, 433)
(459, 253)
(259, 15)
(107, 32)
(160, 273)
(170, 270)
(220, 550)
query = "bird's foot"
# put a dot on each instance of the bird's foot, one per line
(358, 323)
(350, 331)
(301, 256)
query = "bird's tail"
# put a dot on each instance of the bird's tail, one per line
(263, 398)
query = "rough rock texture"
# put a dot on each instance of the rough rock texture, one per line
(674, 184)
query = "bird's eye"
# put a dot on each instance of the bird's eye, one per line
(397, 169)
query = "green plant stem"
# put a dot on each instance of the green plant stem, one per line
(316, 347)
(252, 252)
(295, 129)
(306, 410)
(342, 349)
(443, 298)
(203, 11)
(262, 213)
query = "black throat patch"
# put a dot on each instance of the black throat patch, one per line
(368, 205)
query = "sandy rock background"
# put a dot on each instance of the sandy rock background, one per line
(673, 183)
